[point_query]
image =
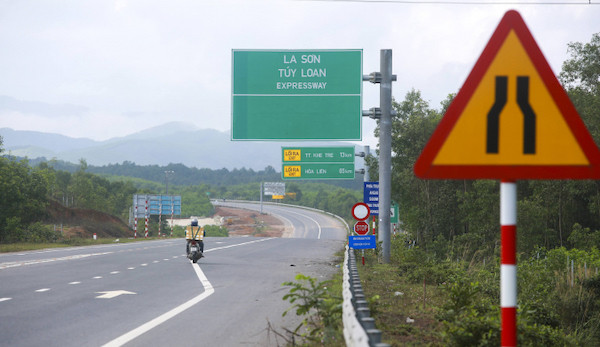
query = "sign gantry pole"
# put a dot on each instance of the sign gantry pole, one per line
(508, 262)
(385, 154)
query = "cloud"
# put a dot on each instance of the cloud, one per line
(172, 60)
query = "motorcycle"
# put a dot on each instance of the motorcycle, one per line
(195, 249)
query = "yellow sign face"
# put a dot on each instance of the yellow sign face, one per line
(511, 119)
(554, 141)
(292, 155)
(277, 197)
(292, 171)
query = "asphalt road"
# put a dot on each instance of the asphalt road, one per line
(310, 224)
(148, 293)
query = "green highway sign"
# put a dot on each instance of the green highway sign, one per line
(317, 154)
(296, 95)
(317, 171)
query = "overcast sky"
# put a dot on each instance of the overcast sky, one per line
(103, 69)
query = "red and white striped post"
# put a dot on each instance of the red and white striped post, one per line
(146, 215)
(159, 215)
(172, 213)
(135, 223)
(508, 262)
(373, 225)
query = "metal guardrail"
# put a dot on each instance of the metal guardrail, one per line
(359, 326)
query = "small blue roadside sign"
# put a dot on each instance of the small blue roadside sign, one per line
(362, 242)
(371, 197)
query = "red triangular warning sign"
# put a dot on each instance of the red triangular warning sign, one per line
(511, 119)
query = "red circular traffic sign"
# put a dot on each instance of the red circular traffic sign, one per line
(360, 211)
(361, 228)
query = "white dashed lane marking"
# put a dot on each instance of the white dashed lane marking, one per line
(41, 290)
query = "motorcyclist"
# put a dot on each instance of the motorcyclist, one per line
(194, 232)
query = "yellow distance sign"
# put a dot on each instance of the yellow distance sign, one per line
(277, 197)
(511, 119)
(292, 155)
(292, 171)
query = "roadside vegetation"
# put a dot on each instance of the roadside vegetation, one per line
(442, 285)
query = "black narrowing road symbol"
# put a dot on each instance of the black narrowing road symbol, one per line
(493, 117)
(480, 137)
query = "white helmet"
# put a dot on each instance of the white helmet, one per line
(195, 222)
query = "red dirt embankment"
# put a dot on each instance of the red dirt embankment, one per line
(80, 222)
(242, 222)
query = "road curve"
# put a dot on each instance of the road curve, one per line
(305, 223)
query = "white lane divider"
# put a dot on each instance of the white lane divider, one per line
(208, 291)
(41, 261)
(5, 299)
(42, 290)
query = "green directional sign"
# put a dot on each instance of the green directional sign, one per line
(317, 154)
(301, 163)
(317, 171)
(296, 95)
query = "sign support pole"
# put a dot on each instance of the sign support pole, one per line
(261, 197)
(385, 153)
(146, 216)
(135, 218)
(508, 262)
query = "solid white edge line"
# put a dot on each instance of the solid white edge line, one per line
(208, 290)
(312, 219)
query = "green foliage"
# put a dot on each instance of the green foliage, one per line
(322, 310)
(216, 231)
(23, 191)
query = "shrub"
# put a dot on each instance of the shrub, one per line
(322, 310)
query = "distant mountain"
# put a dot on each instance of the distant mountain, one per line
(174, 142)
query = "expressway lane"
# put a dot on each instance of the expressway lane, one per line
(90, 296)
(306, 223)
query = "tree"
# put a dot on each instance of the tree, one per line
(580, 76)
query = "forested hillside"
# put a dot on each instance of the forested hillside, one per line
(28, 188)
(186, 176)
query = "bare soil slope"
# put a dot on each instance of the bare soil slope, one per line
(79, 222)
(241, 222)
